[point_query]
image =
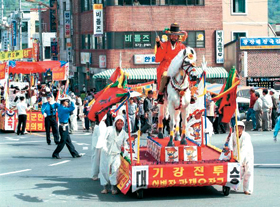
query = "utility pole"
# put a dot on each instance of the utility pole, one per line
(40, 32)
(19, 26)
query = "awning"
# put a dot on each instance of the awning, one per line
(151, 73)
(134, 74)
(214, 72)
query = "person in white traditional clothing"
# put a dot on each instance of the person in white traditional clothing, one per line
(98, 141)
(246, 156)
(73, 116)
(110, 154)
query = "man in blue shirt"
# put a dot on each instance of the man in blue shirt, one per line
(49, 112)
(64, 111)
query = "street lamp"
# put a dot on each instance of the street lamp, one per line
(54, 7)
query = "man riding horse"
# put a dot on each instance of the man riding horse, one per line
(166, 51)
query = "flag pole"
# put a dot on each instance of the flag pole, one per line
(30, 103)
(129, 134)
(237, 137)
(138, 142)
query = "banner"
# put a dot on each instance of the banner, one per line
(59, 74)
(124, 177)
(142, 87)
(162, 176)
(35, 52)
(17, 54)
(259, 43)
(2, 71)
(36, 124)
(219, 46)
(97, 19)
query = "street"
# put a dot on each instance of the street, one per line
(30, 177)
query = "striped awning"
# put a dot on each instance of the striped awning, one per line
(151, 73)
(214, 72)
(134, 74)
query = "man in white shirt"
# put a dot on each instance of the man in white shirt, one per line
(21, 107)
(258, 112)
(266, 108)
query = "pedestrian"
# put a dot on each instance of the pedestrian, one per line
(277, 128)
(246, 156)
(148, 106)
(73, 117)
(278, 107)
(86, 111)
(210, 109)
(22, 116)
(64, 111)
(110, 155)
(258, 112)
(218, 125)
(49, 111)
(250, 112)
(266, 108)
(132, 110)
(98, 142)
(274, 108)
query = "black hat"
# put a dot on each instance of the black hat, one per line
(49, 95)
(150, 92)
(175, 30)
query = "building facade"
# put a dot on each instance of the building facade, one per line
(245, 18)
(131, 29)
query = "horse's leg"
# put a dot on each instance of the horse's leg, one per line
(177, 129)
(160, 118)
(174, 115)
(184, 112)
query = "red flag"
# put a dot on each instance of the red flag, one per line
(107, 99)
(116, 74)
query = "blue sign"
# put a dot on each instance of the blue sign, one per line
(14, 33)
(260, 43)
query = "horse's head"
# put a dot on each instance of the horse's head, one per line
(188, 64)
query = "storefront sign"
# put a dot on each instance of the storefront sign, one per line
(219, 46)
(69, 51)
(16, 55)
(137, 40)
(102, 61)
(140, 177)
(162, 176)
(97, 19)
(145, 59)
(263, 82)
(5, 41)
(54, 51)
(259, 43)
(67, 24)
(14, 33)
(85, 57)
(52, 16)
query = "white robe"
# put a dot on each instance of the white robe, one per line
(246, 159)
(98, 141)
(110, 155)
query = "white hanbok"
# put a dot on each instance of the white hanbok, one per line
(246, 159)
(98, 142)
(110, 154)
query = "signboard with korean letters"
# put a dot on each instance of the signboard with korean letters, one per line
(97, 19)
(219, 46)
(259, 43)
(67, 24)
(145, 59)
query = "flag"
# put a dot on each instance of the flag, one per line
(226, 100)
(112, 94)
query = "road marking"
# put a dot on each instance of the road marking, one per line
(19, 142)
(82, 154)
(267, 165)
(85, 148)
(82, 134)
(59, 163)
(15, 172)
(9, 138)
(40, 135)
(82, 144)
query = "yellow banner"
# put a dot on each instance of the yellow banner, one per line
(12, 55)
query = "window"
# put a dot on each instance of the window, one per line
(239, 6)
(86, 5)
(24, 27)
(154, 2)
(37, 26)
(236, 35)
(196, 39)
(99, 42)
(47, 52)
(86, 41)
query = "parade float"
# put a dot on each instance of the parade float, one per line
(165, 162)
(35, 121)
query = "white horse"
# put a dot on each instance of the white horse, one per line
(178, 93)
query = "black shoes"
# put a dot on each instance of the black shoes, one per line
(56, 156)
(49, 143)
(77, 156)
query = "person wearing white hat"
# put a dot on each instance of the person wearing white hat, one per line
(110, 155)
(64, 111)
(246, 156)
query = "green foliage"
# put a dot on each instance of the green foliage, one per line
(273, 11)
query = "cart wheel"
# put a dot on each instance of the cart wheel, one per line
(140, 193)
(226, 190)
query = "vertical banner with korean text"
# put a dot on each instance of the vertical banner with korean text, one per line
(54, 51)
(35, 52)
(67, 24)
(14, 33)
(219, 46)
(97, 19)
(52, 16)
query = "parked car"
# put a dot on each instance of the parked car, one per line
(243, 106)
